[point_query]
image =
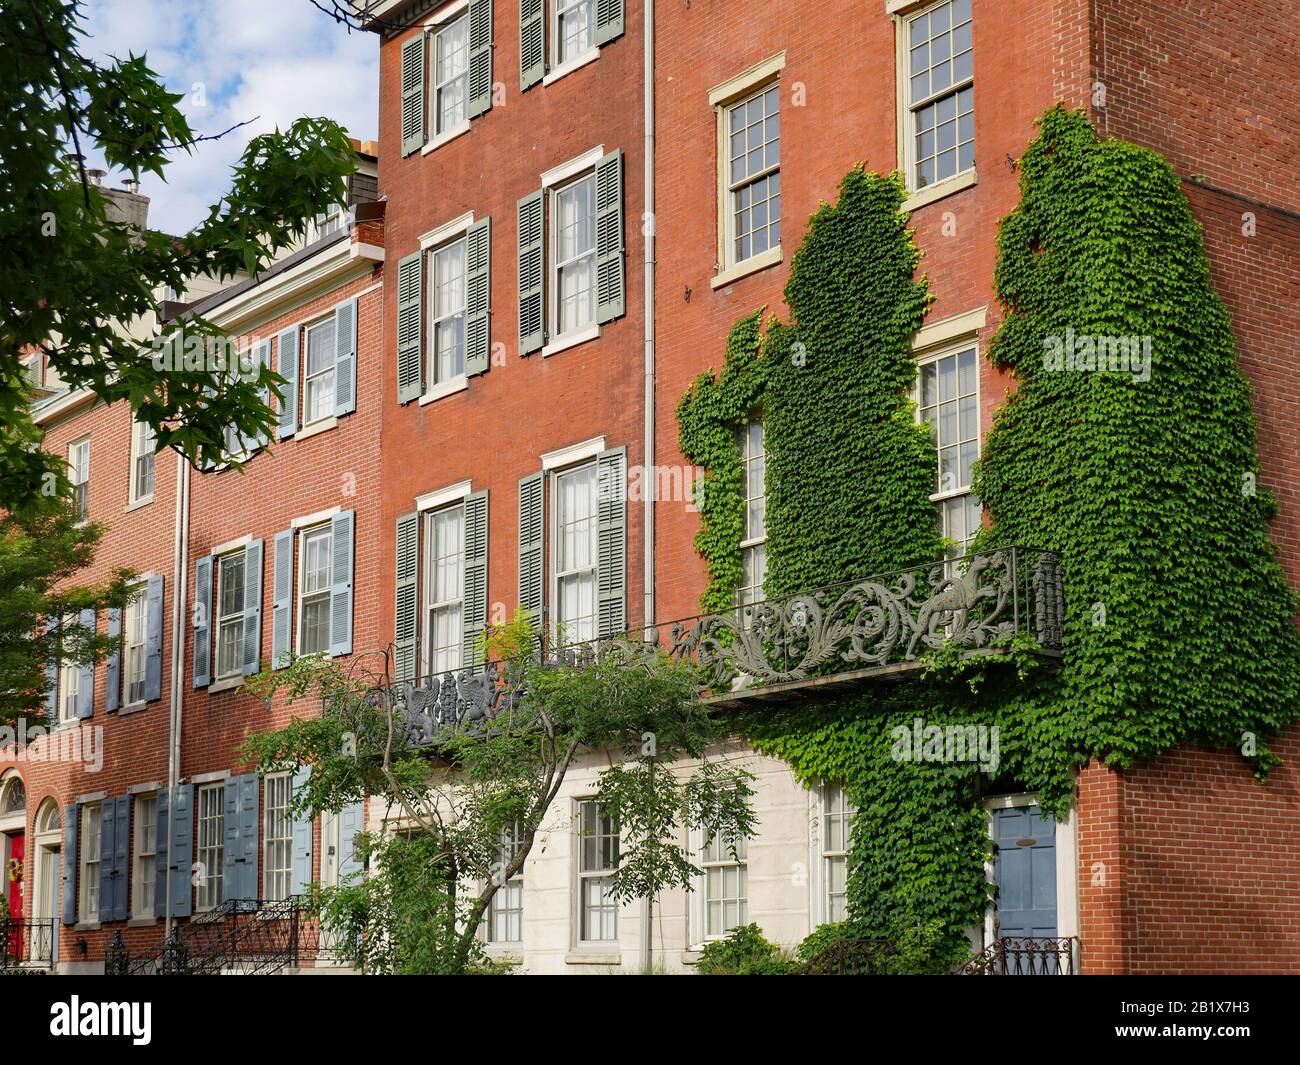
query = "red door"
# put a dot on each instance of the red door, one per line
(14, 875)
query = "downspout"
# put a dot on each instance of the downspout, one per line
(180, 567)
(648, 223)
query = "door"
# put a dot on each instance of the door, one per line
(15, 874)
(48, 903)
(1025, 872)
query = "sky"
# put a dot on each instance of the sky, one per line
(235, 60)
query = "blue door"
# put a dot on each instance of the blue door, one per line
(1025, 872)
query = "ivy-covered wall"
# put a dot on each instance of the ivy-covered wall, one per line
(1141, 473)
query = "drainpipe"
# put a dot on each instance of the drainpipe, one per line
(180, 567)
(648, 224)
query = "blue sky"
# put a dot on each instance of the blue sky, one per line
(269, 60)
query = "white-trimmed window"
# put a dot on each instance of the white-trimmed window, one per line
(79, 475)
(449, 76)
(447, 294)
(504, 921)
(836, 827)
(939, 93)
(726, 885)
(574, 29)
(753, 545)
(573, 256)
(211, 839)
(752, 133)
(143, 445)
(444, 584)
(277, 838)
(230, 615)
(90, 859)
(144, 877)
(329, 222)
(597, 860)
(576, 553)
(318, 375)
(314, 590)
(948, 402)
(134, 635)
(69, 689)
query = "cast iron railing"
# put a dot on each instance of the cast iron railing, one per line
(26, 945)
(1024, 956)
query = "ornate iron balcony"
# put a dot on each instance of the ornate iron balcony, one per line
(26, 945)
(1024, 956)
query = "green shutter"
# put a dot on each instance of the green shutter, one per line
(474, 609)
(252, 607)
(203, 621)
(611, 298)
(611, 551)
(480, 57)
(532, 42)
(478, 297)
(609, 20)
(345, 358)
(407, 604)
(342, 540)
(282, 599)
(532, 546)
(413, 94)
(532, 333)
(410, 327)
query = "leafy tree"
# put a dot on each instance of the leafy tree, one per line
(457, 805)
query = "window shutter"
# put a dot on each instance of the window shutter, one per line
(532, 43)
(342, 535)
(302, 839)
(153, 639)
(113, 684)
(611, 298)
(52, 676)
(107, 851)
(282, 600)
(532, 325)
(286, 364)
(478, 297)
(609, 20)
(70, 864)
(345, 358)
(252, 606)
(611, 558)
(352, 820)
(261, 357)
(121, 856)
(532, 540)
(240, 877)
(413, 94)
(407, 605)
(202, 622)
(180, 850)
(160, 857)
(86, 673)
(480, 57)
(410, 327)
(474, 586)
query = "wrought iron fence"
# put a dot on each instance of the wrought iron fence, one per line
(1024, 956)
(26, 945)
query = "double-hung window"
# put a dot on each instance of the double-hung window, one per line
(314, 590)
(597, 860)
(575, 29)
(948, 402)
(505, 917)
(447, 312)
(726, 885)
(133, 645)
(753, 545)
(90, 858)
(836, 825)
(211, 838)
(79, 475)
(69, 689)
(753, 153)
(146, 855)
(576, 550)
(277, 838)
(449, 75)
(143, 444)
(444, 589)
(318, 378)
(574, 256)
(230, 615)
(939, 91)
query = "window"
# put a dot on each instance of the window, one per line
(133, 641)
(79, 475)
(726, 884)
(575, 29)
(211, 845)
(69, 680)
(230, 615)
(318, 380)
(314, 591)
(753, 153)
(328, 223)
(450, 76)
(597, 860)
(447, 312)
(837, 823)
(146, 854)
(444, 589)
(949, 404)
(753, 547)
(505, 917)
(574, 256)
(576, 543)
(142, 461)
(940, 93)
(90, 857)
(277, 839)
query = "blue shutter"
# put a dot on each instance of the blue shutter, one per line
(261, 357)
(352, 820)
(474, 585)
(52, 675)
(121, 856)
(113, 690)
(611, 545)
(70, 865)
(160, 857)
(406, 607)
(180, 850)
(609, 20)
(532, 43)
(531, 240)
(345, 358)
(153, 639)
(240, 878)
(252, 606)
(107, 850)
(480, 57)
(282, 600)
(202, 621)
(478, 297)
(86, 674)
(286, 352)
(302, 839)
(413, 94)
(342, 535)
(532, 541)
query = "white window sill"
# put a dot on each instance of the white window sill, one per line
(225, 685)
(446, 388)
(751, 265)
(142, 922)
(143, 501)
(133, 708)
(940, 189)
(324, 425)
(86, 926)
(571, 65)
(445, 137)
(592, 957)
(571, 340)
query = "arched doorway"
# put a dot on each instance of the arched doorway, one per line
(47, 879)
(13, 844)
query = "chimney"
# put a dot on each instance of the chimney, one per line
(96, 176)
